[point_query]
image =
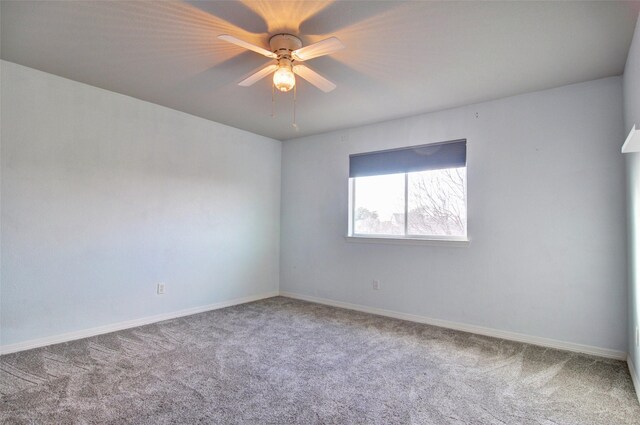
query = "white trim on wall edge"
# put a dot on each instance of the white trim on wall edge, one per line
(86, 333)
(496, 333)
(634, 377)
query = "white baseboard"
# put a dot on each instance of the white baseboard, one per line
(512, 336)
(634, 377)
(85, 333)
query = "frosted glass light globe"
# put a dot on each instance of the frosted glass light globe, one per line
(284, 79)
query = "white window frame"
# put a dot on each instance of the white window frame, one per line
(351, 236)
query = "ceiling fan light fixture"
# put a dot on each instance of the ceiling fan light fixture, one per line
(286, 49)
(284, 79)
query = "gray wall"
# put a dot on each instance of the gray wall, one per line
(105, 195)
(631, 84)
(546, 219)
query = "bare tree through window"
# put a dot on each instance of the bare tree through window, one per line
(436, 202)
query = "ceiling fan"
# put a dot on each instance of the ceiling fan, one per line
(287, 50)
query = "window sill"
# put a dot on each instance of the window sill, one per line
(457, 242)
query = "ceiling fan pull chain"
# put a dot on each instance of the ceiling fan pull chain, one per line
(295, 101)
(273, 100)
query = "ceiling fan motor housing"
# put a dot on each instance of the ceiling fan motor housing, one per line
(283, 44)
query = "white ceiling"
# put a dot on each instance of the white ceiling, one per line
(402, 58)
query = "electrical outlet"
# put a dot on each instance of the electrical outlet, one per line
(376, 284)
(160, 288)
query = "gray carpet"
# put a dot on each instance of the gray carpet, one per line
(282, 361)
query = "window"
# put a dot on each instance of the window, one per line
(416, 192)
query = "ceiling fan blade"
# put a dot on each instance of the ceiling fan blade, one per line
(321, 48)
(234, 40)
(314, 78)
(254, 78)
